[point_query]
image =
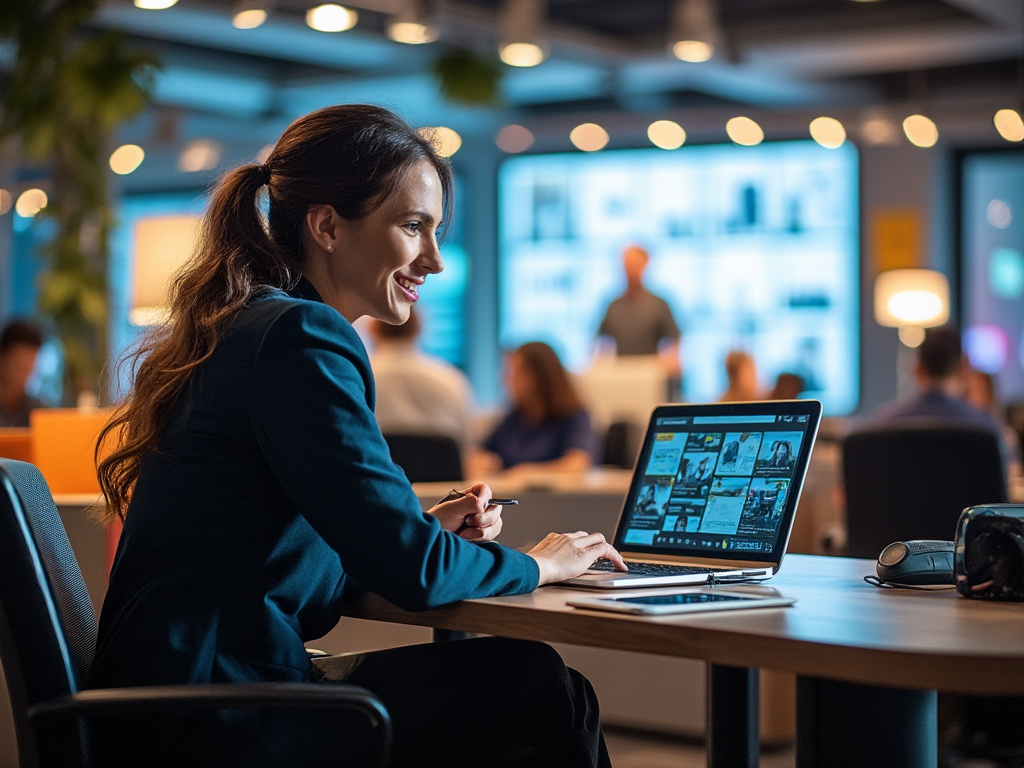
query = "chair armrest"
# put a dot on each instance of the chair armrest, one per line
(218, 696)
(208, 696)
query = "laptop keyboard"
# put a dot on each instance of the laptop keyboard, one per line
(653, 569)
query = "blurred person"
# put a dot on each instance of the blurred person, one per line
(983, 395)
(547, 427)
(741, 372)
(20, 342)
(788, 386)
(638, 322)
(258, 495)
(416, 392)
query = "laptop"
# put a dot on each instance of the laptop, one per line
(713, 495)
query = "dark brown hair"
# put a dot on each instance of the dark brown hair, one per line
(20, 333)
(940, 354)
(553, 387)
(351, 157)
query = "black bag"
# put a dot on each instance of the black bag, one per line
(989, 554)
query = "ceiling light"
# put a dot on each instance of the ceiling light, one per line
(878, 130)
(154, 5)
(911, 297)
(126, 159)
(199, 155)
(666, 134)
(744, 131)
(514, 138)
(6, 201)
(249, 14)
(1009, 124)
(413, 23)
(920, 131)
(30, 202)
(828, 132)
(446, 141)
(589, 137)
(695, 32)
(331, 17)
(520, 24)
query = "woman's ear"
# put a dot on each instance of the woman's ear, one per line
(322, 223)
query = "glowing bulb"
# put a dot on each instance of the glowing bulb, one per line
(154, 5)
(446, 141)
(514, 138)
(915, 307)
(920, 131)
(694, 51)
(30, 202)
(666, 134)
(199, 155)
(744, 131)
(331, 17)
(522, 54)
(412, 33)
(6, 201)
(249, 19)
(828, 132)
(589, 137)
(126, 159)
(1009, 124)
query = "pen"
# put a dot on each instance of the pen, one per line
(454, 494)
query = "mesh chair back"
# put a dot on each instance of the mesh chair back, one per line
(426, 458)
(913, 479)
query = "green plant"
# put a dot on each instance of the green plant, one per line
(465, 77)
(68, 91)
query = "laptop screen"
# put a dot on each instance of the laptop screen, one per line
(719, 480)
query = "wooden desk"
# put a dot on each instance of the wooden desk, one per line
(859, 652)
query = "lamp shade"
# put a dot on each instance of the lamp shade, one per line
(160, 246)
(911, 297)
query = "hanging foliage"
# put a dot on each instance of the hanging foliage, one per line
(467, 78)
(64, 98)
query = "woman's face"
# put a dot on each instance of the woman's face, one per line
(379, 263)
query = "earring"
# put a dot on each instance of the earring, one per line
(330, 249)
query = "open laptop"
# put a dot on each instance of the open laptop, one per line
(713, 496)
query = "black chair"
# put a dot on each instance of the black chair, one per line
(912, 479)
(47, 640)
(426, 458)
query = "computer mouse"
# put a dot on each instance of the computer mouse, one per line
(921, 561)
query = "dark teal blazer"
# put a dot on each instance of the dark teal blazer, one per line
(270, 499)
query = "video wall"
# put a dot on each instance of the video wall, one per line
(754, 248)
(992, 267)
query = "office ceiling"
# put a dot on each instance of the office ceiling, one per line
(782, 60)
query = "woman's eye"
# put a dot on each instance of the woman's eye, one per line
(414, 226)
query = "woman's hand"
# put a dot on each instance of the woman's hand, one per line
(469, 513)
(562, 556)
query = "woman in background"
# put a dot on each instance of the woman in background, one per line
(547, 427)
(258, 494)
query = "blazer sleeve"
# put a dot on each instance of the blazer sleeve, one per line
(311, 412)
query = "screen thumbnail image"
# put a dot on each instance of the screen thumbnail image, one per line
(650, 504)
(694, 476)
(762, 510)
(684, 517)
(739, 450)
(666, 453)
(725, 505)
(779, 451)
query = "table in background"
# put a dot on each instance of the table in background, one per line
(869, 660)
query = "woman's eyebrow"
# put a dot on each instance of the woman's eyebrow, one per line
(427, 218)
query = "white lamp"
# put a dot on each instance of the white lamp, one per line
(911, 300)
(160, 246)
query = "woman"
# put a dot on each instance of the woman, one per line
(258, 494)
(547, 427)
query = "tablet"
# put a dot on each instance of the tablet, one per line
(690, 601)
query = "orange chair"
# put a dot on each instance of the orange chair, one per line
(63, 448)
(16, 443)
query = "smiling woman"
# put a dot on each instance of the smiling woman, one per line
(258, 493)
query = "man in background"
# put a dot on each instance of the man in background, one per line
(20, 342)
(941, 375)
(417, 393)
(639, 322)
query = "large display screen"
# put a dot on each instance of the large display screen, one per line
(754, 248)
(992, 267)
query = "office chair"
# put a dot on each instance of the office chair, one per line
(912, 479)
(47, 639)
(426, 458)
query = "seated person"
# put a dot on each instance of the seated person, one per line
(788, 386)
(741, 371)
(20, 342)
(417, 393)
(547, 427)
